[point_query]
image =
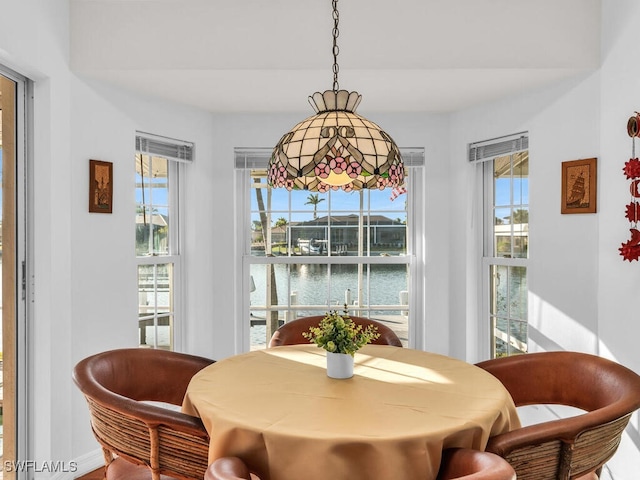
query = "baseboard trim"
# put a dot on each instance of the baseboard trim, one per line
(82, 465)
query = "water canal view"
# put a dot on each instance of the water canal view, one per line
(375, 291)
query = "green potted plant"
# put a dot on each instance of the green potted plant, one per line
(341, 337)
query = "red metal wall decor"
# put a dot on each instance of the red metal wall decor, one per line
(630, 250)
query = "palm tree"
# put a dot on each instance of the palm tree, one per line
(272, 294)
(521, 215)
(314, 199)
(281, 222)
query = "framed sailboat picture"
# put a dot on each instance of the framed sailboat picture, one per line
(579, 186)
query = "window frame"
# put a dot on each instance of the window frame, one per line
(165, 148)
(496, 148)
(248, 159)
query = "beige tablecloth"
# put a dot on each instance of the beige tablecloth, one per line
(278, 410)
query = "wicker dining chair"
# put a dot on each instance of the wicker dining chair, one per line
(290, 333)
(468, 464)
(142, 440)
(229, 468)
(568, 448)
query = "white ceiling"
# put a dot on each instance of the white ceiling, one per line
(270, 55)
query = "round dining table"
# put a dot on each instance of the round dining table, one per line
(279, 411)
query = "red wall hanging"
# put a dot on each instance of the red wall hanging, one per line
(630, 250)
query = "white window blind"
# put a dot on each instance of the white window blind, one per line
(169, 148)
(248, 158)
(496, 147)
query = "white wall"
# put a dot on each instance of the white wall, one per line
(562, 125)
(618, 280)
(582, 293)
(43, 57)
(84, 289)
(103, 271)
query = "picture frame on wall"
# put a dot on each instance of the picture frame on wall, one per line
(579, 186)
(100, 186)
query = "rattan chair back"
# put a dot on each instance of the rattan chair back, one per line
(118, 384)
(566, 448)
(291, 332)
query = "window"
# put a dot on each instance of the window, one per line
(157, 237)
(505, 164)
(310, 252)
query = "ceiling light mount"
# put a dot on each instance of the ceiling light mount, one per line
(336, 148)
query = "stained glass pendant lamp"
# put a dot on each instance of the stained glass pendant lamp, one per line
(335, 148)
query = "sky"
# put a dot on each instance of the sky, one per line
(339, 202)
(520, 192)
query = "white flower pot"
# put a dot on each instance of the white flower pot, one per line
(339, 365)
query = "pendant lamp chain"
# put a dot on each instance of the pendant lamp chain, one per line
(336, 49)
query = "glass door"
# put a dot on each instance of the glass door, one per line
(12, 304)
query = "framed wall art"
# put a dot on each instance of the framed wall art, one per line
(579, 186)
(100, 186)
